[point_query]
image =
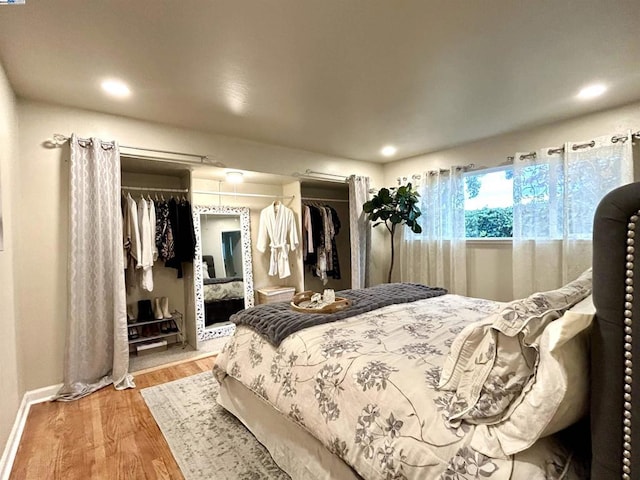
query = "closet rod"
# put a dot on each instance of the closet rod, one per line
(151, 189)
(313, 199)
(59, 139)
(256, 195)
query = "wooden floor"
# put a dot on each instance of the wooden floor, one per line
(107, 435)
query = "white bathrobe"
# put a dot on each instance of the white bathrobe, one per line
(278, 231)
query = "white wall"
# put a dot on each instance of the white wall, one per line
(489, 266)
(41, 210)
(10, 389)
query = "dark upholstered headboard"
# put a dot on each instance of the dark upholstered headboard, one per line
(615, 393)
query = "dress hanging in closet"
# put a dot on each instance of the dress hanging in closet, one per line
(278, 231)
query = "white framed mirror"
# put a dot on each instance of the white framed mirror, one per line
(222, 270)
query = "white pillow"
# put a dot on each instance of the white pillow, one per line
(556, 396)
(205, 271)
(491, 362)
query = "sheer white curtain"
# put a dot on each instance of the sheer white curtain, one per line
(555, 194)
(360, 231)
(437, 256)
(97, 352)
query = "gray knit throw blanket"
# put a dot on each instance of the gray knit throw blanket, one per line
(276, 321)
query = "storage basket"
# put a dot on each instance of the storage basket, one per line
(275, 294)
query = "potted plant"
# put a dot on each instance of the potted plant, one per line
(392, 207)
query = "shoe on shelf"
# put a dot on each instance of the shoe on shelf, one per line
(131, 318)
(164, 327)
(173, 327)
(145, 311)
(154, 329)
(157, 309)
(133, 333)
(164, 302)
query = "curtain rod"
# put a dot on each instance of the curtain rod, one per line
(577, 146)
(313, 172)
(416, 177)
(152, 189)
(256, 195)
(59, 140)
(315, 199)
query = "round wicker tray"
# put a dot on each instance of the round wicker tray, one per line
(302, 298)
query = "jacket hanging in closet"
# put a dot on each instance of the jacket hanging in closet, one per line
(278, 231)
(131, 239)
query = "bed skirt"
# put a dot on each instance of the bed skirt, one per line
(295, 451)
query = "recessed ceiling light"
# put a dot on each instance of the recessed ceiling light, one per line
(116, 88)
(389, 151)
(234, 177)
(592, 91)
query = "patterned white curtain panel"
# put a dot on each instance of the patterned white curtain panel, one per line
(360, 231)
(437, 256)
(555, 194)
(96, 351)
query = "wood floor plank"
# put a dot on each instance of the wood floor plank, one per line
(108, 434)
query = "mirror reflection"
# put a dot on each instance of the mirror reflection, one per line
(223, 278)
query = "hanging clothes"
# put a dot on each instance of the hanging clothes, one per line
(153, 223)
(278, 231)
(147, 244)
(307, 232)
(164, 232)
(324, 226)
(334, 271)
(131, 240)
(184, 237)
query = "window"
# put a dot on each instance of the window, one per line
(488, 203)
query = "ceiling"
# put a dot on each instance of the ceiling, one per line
(339, 77)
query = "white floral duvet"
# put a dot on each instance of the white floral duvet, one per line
(366, 388)
(223, 291)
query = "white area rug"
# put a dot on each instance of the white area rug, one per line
(207, 441)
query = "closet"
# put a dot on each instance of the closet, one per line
(161, 318)
(332, 197)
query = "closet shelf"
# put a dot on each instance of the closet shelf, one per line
(149, 322)
(155, 334)
(154, 337)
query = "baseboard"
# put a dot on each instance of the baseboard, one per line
(11, 448)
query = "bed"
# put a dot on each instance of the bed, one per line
(222, 296)
(452, 387)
